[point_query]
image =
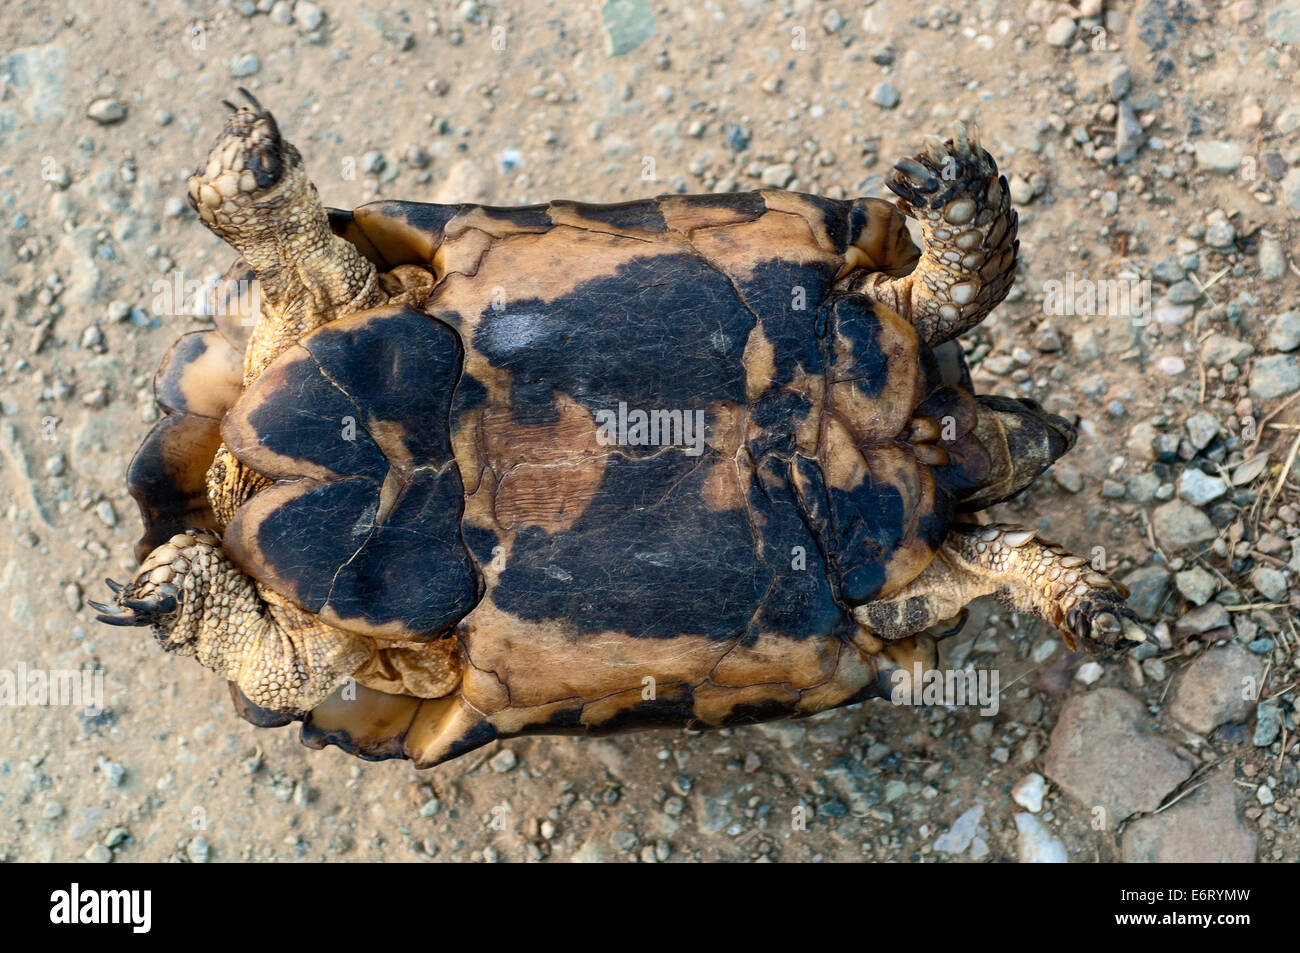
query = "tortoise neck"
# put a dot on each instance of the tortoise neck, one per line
(305, 291)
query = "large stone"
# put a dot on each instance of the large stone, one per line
(1104, 753)
(1199, 488)
(1291, 188)
(36, 74)
(1178, 525)
(1217, 156)
(1148, 590)
(1038, 845)
(1283, 22)
(1285, 333)
(627, 24)
(1129, 136)
(1202, 427)
(1275, 376)
(1061, 32)
(1207, 618)
(1219, 688)
(1219, 349)
(885, 94)
(467, 181)
(1270, 583)
(1197, 586)
(1272, 260)
(1205, 827)
(957, 838)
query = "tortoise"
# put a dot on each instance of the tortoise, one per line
(477, 472)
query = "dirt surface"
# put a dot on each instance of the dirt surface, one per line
(1152, 141)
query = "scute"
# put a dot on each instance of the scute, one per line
(363, 527)
(662, 331)
(200, 375)
(198, 380)
(167, 478)
(650, 558)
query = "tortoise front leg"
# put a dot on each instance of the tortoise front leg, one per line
(1029, 574)
(253, 192)
(969, 260)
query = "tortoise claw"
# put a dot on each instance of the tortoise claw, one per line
(960, 142)
(133, 620)
(112, 616)
(957, 624)
(164, 605)
(125, 610)
(919, 174)
(904, 191)
(1102, 625)
(936, 149)
(1133, 631)
(252, 101)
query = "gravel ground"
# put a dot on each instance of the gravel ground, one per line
(1153, 146)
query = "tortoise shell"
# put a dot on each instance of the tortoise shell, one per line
(642, 460)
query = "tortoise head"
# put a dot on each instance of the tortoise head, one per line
(1022, 440)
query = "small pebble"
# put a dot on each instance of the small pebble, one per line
(106, 111)
(197, 851)
(244, 65)
(1029, 792)
(1061, 32)
(308, 15)
(503, 761)
(885, 95)
(1089, 672)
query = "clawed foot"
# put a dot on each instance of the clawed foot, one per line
(202, 605)
(1102, 622)
(154, 595)
(969, 261)
(958, 170)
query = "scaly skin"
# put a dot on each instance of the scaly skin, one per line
(1031, 575)
(253, 192)
(969, 261)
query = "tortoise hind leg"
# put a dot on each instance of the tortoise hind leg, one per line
(1031, 575)
(969, 262)
(200, 604)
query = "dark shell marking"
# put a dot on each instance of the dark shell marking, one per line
(363, 526)
(726, 577)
